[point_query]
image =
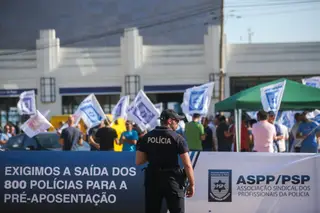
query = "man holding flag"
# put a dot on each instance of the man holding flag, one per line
(309, 132)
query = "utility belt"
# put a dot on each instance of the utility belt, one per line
(162, 168)
(177, 173)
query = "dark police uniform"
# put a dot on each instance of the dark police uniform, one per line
(163, 176)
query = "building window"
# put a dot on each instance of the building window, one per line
(167, 99)
(48, 90)
(237, 84)
(132, 85)
(107, 102)
(213, 77)
(8, 111)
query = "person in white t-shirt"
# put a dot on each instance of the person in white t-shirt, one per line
(212, 124)
(293, 132)
(282, 144)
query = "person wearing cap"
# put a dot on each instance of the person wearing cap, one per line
(163, 176)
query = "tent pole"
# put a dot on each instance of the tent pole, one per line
(239, 130)
(236, 127)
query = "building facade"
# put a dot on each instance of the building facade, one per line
(63, 76)
(252, 64)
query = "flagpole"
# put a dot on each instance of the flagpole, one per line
(300, 142)
(276, 113)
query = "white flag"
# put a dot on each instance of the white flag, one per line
(253, 114)
(197, 99)
(27, 103)
(314, 116)
(143, 112)
(312, 82)
(271, 96)
(92, 113)
(287, 119)
(120, 110)
(45, 113)
(188, 117)
(35, 124)
(159, 107)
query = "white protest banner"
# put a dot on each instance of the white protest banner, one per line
(312, 82)
(143, 112)
(92, 113)
(271, 96)
(120, 110)
(197, 99)
(35, 124)
(255, 182)
(27, 103)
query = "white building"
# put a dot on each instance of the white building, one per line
(63, 76)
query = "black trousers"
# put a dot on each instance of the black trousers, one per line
(168, 185)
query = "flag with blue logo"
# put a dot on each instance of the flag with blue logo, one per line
(120, 110)
(143, 112)
(27, 103)
(312, 82)
(197, 99)
(271, 96)
(91, 111)
(35, 124)
(287, 118)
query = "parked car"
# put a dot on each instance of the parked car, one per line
(48, 141)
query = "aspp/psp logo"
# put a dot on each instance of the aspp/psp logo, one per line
(220, 185)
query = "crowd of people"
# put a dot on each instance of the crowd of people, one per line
(211, 133)
(7, 132)
(101, 137)
(217, 133)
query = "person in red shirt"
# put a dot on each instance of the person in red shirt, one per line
(244, 147)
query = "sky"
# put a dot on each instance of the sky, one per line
(269, 20)
(293, 21)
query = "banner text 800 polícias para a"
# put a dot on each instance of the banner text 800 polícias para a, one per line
(66, 184)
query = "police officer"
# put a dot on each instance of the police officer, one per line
(163, 176)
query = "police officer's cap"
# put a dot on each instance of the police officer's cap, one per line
(169, 113)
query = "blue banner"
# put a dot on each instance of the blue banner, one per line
(61, 182)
